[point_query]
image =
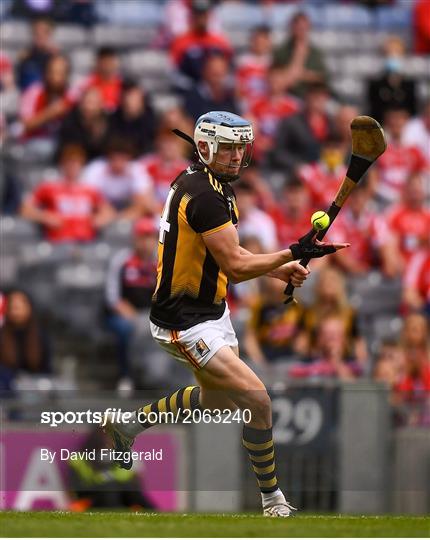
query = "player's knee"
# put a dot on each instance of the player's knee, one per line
(260, 404)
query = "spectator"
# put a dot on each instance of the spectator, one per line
(32, 62)
(134, 120)
(303, 62)
(253, 221)
(86, 124)
(166, 163)
(342, 125)
(417, 131)
(269, 109)
(68, 210)
(330, 300)
(10, 189)
(416, 282)
(329, 358)
(397, 163)
(178, 16)
(291, 213)
(414, 385)
(24, 345)
(122, 181)
(366, 231)
(409, 221)
(272, 327)
(252, 66)
(213, 92)
(129, 288)
(106, 78)
(393, 89)
(323, 178)
(388, 369)
(43, 105)
(299, 137)
(421, 27)
(9, 96)
(190, 50)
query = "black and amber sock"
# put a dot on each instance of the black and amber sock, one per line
(259, 445)
(179, 403)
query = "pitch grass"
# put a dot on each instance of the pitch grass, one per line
(111, 524)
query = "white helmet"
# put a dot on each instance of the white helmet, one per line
(223, 127)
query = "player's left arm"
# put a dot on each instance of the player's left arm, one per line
(290, 271)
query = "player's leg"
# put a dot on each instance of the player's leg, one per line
(227, 373)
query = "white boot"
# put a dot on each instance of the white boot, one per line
(275, 505)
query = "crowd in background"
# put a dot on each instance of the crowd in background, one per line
(115, 157)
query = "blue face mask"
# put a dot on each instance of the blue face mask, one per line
(393, 64)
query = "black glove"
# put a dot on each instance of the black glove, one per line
(307, 249)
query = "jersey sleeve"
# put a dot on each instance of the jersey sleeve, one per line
(207, 213)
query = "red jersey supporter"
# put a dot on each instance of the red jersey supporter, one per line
(5, 67)
(416, 293)
(422, 27)
(299, 137)
(68, 210)
(106, 78)
(323, 178)
(291, 215)
(164, 165)
(398, 162)
(269, 109)
(189, 51)
(252, 67)
(365, 231)
(2, 308)
(44, 104)
(178, 15)
(409, 221)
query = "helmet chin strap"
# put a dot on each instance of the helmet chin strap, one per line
(224, 178)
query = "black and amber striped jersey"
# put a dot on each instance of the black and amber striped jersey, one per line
(191, 288)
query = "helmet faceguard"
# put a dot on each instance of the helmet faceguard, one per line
(228, 134)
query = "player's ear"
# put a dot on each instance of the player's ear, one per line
(204, 149)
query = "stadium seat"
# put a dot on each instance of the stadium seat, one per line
(395, 17)
(238, 16)
(351, 17)
(131, 12)
(14, 34)
(122, 37)
(117, 231)
(349, 88)
(374, 295)
(16, 229)
(163, 101)
(82, 60)
(417, 66)
(143, 63)
(68, 36)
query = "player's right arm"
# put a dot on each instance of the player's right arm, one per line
(236, 263)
